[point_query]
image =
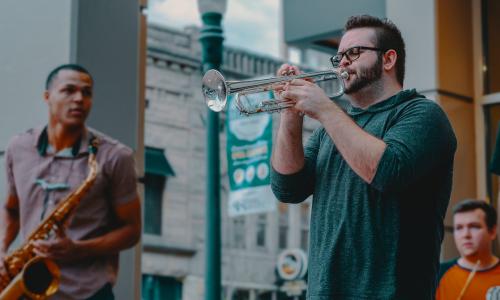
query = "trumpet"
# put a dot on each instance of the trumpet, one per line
(216, 89)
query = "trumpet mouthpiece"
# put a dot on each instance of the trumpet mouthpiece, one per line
(344, 75)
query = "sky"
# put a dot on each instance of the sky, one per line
(247, 24)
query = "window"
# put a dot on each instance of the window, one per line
(241, 295)
(304, 226)
(160, 287)
(283, 226)
(157, 171)
(154, 185)
(239, 232)
(491, 23)
(150, 94)
(261, 230)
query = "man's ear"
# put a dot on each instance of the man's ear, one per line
(46, 95)
(493, 232)
(389, 59)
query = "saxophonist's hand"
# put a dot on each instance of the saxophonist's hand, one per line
(61, 248)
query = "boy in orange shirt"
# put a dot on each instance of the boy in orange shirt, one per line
(476, 274)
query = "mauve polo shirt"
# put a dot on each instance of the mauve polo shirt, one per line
(115, 185)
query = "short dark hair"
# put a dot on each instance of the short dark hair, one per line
(74, 67)
(473, 204)
(387, 36)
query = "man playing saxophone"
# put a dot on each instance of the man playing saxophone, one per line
(45, 164)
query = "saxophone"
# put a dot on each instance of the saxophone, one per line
(36, 277)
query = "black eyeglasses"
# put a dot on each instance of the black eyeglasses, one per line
(351, 54)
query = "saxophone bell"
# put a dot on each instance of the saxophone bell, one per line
(38, 280)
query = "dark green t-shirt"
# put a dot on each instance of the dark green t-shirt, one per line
(380, 240)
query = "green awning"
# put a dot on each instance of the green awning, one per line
(157, 163)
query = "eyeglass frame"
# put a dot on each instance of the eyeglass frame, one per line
(344, 53)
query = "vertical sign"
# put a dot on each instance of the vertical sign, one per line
(249, 142)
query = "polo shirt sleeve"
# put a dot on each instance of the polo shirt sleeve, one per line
(295, 188)
(420, 141)
(9, 169)
(495, 159)
(123, 176)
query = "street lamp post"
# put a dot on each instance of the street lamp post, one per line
(211, 38)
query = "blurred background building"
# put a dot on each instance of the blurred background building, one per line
(173, 257)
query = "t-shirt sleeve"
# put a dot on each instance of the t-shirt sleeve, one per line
(123, 176)
(420, 140)
(295, 188)
(495, 158)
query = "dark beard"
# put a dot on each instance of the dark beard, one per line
(366, 77)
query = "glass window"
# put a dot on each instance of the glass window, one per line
(261, 230)
(491, 23)
(239, 232)
(492, 118)
(265, 295)
(154, 185)
(283, 226)
(160, 287)
(241, 295)
(304, 226)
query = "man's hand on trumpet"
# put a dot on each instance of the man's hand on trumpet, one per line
(309, 98)
(287, 70)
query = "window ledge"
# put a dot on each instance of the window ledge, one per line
(156, 244)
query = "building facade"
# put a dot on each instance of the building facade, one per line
(173, 257)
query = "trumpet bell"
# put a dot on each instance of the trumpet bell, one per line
(215, 90)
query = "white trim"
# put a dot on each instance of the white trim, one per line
(249, 285)
(491, 99)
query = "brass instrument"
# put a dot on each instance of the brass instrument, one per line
(35, 277)
(216, 89)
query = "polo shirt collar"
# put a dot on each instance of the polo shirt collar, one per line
(79, 147)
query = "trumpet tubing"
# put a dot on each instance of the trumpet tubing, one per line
(216, 89)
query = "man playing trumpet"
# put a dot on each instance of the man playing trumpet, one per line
(380, 172)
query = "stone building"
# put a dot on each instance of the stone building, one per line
(173, 257)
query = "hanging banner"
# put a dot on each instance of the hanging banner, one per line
(249, 144)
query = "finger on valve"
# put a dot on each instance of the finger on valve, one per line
(284, 70)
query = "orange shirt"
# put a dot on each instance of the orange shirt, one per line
(454, 279)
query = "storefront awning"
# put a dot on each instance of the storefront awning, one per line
(157, 163)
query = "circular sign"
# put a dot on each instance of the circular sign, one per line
(262, 171)
(238, 176)
(250, 173)
(292, 264)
